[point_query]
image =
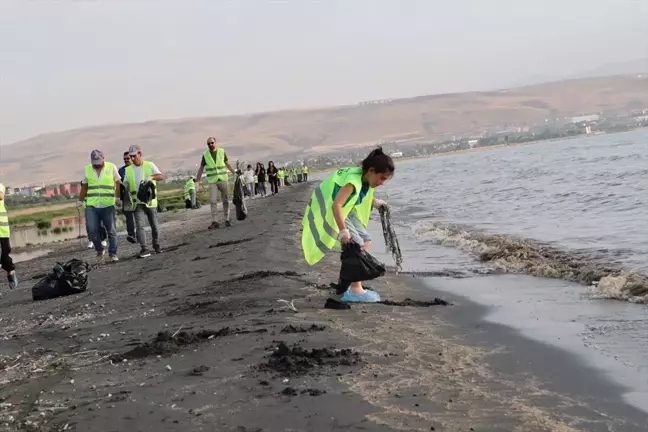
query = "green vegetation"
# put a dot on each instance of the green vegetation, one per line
(43, 219)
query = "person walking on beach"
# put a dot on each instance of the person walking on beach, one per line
(100, 190)
(140, 180)
(5, 243)
(339, 210)
(260, 172)
(214, 162)
(190, 193)
(249, 180)
(305, 173)
(280, 176)
(127, 203)
(273, 177)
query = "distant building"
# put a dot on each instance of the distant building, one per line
(586, 118)
(397, 154)
(50, 191)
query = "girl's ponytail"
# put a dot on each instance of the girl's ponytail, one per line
(379, 161)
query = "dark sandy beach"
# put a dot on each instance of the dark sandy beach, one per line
(195, 339)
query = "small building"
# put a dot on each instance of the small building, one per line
(585, 118)
(50, 191)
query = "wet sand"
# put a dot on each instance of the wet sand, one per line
(195, 339)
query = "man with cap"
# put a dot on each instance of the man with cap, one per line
(100, 192)
(127, 208)
(143, 174)
(214, 162)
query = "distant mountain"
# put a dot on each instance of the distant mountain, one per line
(178, 144)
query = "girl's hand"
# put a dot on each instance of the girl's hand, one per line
(379, 203)
(345, 236)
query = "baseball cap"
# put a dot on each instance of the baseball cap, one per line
(134, 149)
(96, 157)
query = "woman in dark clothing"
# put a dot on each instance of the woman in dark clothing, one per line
(273, 178)
(261, 175)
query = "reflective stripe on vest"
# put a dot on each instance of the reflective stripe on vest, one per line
(101, 191)
(147, 173)
(319, 230)
(5, 230)
(216, 169)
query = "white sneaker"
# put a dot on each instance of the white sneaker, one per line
(113, 258)
(104, 243)
(90, 245)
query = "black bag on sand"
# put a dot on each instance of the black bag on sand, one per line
(66, 279)
(237, 200)
(359, 265)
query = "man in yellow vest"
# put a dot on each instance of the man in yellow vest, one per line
(305, 171)
(5, 244)
(100, 191)
(190, 193)
(140, 180)
(214, 163)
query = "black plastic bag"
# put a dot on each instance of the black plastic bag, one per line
(146, 192)
(237, 200)
(359, 265)
(66, 279)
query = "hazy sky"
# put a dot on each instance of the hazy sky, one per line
(67, 64)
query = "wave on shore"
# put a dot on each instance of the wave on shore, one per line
(516, 255)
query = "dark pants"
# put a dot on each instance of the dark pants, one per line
(274, 185)
(95, 217)
(5, 259)
(142, 212)
(305, 177)
(130, 223)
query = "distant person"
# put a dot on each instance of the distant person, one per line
(100, 190)
(5, 244)
(273, 177)
(141, 179)
(127, 203)
(190, 193)
(339, 210)
(249, 180)
(305, 173)
(280, 176)
(261, 174)
(214, 162)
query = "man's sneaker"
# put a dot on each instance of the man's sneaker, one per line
(104, 243)
(113, 258)
(365, 297)
(214, 225)
(12, 279)
(90, 245)
(228, 223)
(100, 256)
(157, 249)
(131, 239)
(144, 253)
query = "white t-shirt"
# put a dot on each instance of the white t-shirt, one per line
(116, 177)
(138, 174)
(249, 176)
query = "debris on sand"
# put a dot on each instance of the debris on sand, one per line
(331, 303)
(165, 343)
(293, 329)
(298, 361)
(416, 303)
(290, 391)
(198, 370)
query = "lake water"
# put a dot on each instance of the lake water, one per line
(573, 210)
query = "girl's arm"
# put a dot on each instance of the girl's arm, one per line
(340, 199)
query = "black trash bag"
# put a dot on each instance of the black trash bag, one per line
(146, 192)
(66, 279)
(359, 265)
(237, 200)
(160, 207)
(188, 204)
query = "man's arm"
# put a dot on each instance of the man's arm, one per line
(157, 174)
(200, 171)
(228, 164)
(117, 178)
(84, 192)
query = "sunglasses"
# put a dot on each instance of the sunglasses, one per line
(211, 143)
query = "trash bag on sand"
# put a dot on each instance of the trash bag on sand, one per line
(66, 279)
(359, 265)
(237, 200)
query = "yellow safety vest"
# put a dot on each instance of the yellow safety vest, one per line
(101, 191)
(189, 186)
(305, 170)
(319, 230)
(5, 231)
(147, 172)
(216, 169)
(280, 174)
(256, 179)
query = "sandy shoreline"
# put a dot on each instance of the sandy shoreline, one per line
(98, 361)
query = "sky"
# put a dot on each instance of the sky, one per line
(73, 63)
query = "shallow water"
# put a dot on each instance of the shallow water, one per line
(572, 210)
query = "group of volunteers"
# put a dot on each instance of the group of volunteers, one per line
(338, 211)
